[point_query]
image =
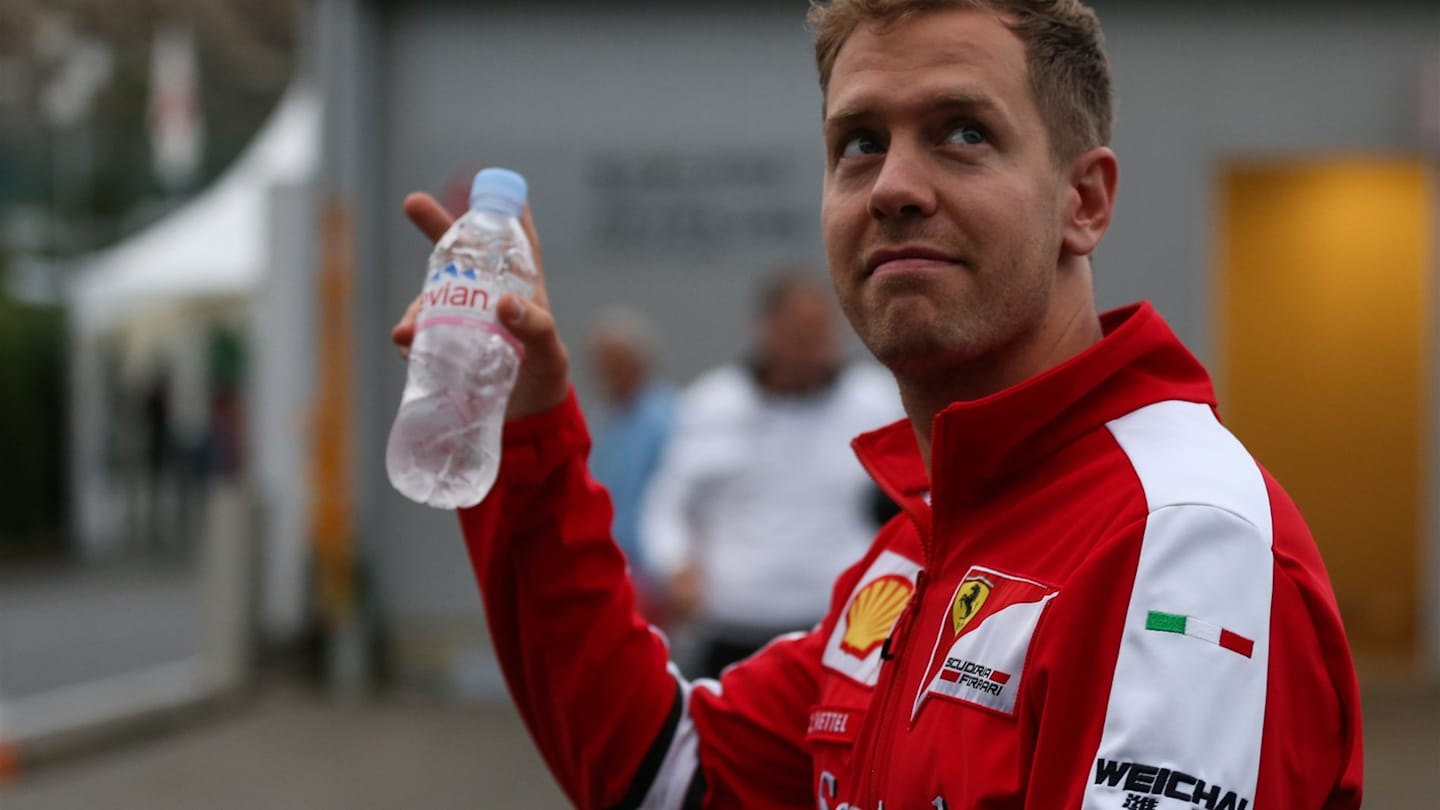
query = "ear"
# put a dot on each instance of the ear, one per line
(1089, 200)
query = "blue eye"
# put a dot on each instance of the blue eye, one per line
(861, 145)
(967, 135)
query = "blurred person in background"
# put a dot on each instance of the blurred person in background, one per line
(1096, 598)
(161, 453)
(633, 425)
(759, 503)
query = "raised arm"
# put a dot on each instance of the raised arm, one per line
(616, 723)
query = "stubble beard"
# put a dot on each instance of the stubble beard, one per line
(923, 340)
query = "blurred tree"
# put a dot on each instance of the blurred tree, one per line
(92, 182)
(32, 406)
(246, 53)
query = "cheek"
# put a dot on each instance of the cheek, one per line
(842, 252)
(841, 216)
(836, 258)
(829, 230)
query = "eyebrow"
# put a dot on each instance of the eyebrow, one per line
(849, 116)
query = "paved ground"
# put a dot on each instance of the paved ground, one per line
(63, 625)
(284, 750)
(1402, 747)
(288, 751)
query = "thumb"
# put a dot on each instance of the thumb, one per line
(528, 323)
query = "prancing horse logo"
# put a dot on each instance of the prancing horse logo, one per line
(968, 600)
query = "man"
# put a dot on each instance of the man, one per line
(1094, 599)
(759, 504)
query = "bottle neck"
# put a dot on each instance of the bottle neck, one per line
(497, 205)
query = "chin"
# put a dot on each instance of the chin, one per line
(915, 347)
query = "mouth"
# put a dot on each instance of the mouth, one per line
(908, 259)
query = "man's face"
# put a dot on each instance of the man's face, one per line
(619, 368)
(797, 341)
(941, 203)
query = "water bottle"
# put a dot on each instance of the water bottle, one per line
(444, 448)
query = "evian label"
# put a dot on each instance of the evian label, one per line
(454, 291)
(453, 296)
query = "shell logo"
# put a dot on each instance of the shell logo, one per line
(873, 612)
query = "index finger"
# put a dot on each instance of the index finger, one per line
(527, 221)
(428, 215)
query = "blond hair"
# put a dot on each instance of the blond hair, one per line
(1064, 52)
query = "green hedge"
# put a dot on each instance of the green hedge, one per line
(32, 428)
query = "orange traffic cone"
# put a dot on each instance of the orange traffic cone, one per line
(9, 763)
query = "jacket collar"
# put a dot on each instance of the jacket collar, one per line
(976, 443)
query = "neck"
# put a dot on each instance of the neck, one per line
(624, 397)
(1070, 326)
(777, 382)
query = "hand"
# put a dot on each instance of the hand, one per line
(544, 379)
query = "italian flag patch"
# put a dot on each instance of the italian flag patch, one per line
(1201, 629)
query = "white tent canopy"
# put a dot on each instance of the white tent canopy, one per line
(240, 255)
(215, 246)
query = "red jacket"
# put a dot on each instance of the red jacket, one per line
(1098, 600)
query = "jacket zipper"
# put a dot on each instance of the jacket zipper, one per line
(895, 646)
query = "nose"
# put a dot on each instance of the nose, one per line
(904, 187)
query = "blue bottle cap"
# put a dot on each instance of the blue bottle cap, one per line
(500, 191)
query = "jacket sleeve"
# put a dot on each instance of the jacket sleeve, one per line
(615, 723)
(1185, 665)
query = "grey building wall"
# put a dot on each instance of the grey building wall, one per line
(673, 151)
(673, 157)
(1199, 85)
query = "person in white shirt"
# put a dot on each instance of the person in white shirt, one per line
(759, 503)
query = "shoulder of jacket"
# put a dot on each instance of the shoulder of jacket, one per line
(871, 384)
(1185, 458)
(720, 390)
(868, 376)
